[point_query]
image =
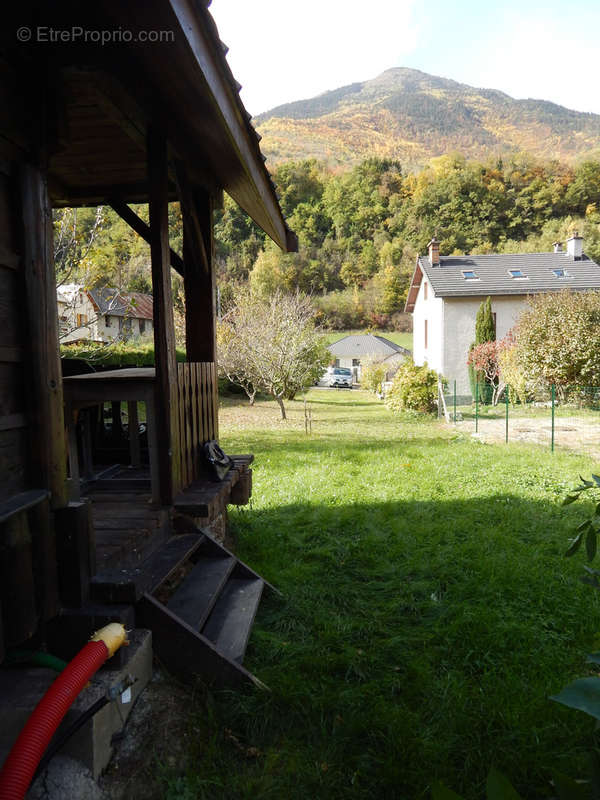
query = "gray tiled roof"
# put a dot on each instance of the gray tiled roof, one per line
(365, 344)
(493, 274)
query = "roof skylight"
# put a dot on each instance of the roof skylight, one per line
(562, 273)
(516, 273)
(469, 275)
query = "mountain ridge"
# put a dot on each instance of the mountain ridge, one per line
(412, 116)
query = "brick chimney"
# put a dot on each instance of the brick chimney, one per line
(575, 246)
(557, 247)
(434, 252)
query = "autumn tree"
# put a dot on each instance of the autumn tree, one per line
(557, 339)
(272, 344)
(484, 358)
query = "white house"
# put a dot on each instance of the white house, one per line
(102, 315)
(351, 350)
(446, 293)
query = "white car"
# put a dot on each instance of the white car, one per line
(340, 377)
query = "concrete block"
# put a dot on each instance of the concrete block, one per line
(22, 689)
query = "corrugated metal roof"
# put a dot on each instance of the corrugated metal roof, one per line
(143, 307)
(492, 274)
(110, 301)
(365, 344)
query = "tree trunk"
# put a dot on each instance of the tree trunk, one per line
(281, 406)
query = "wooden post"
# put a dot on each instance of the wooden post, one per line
(164, 329)
(199, 284)
(48, 452)
(76, 550)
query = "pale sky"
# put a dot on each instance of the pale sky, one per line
(285, 50)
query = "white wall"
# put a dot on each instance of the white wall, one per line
(459, 324)
(96, 330)
(431, 310)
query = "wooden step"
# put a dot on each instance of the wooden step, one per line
(127, 585)
(195, 598)
(230, 622)
(185, 652)
(205, 498)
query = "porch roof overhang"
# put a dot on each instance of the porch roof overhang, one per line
(103, 99)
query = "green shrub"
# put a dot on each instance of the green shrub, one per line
(372, 375)
(413, 388)
(117, 354)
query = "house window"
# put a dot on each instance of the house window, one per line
(516, 273)
(336, 363)
(425, 334)
(356, 362)
(107, 320)
(82, 320)
(425, 291)
(562, 273)
(142, 326)
(469, 275)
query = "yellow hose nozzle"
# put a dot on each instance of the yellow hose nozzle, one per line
(113, 636)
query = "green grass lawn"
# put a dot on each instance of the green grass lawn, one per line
(426, 614)
(403, 339)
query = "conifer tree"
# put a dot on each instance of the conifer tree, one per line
(485, 330)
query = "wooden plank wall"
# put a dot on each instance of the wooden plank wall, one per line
(13, 400)
(197, 401)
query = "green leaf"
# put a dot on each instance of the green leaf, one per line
(583, 695)
(568, 789)
(596, 479)
(585, 524)
(440, 792)
(499, 787)
(586, 484)
(575, 544)
(569, 499)
(591, 544)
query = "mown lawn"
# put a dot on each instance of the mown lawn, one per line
(426, 614)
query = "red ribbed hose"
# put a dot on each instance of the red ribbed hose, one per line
(22, 761)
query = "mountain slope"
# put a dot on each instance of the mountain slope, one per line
(411, 116)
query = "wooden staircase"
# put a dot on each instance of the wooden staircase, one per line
(199, 601)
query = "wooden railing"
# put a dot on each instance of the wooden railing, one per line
(198, 416)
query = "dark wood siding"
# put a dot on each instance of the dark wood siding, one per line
(13, 402)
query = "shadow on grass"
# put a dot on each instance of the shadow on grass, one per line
(414, 641)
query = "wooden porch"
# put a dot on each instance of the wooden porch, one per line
(86, 537)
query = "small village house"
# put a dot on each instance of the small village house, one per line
(446, 292)
(355, 350)
(102, 315)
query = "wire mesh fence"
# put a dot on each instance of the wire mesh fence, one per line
(555, 417)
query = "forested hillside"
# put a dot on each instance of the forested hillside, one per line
(360, 230)
(410, 116)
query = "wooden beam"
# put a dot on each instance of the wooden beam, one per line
(166, 425)
(139, 226)
(199, 283)
(48, 452)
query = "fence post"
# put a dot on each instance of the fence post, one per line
(553, 404)
(455, 402)
(476, 407)
(506, 407)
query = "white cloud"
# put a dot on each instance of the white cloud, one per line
(282, 51)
